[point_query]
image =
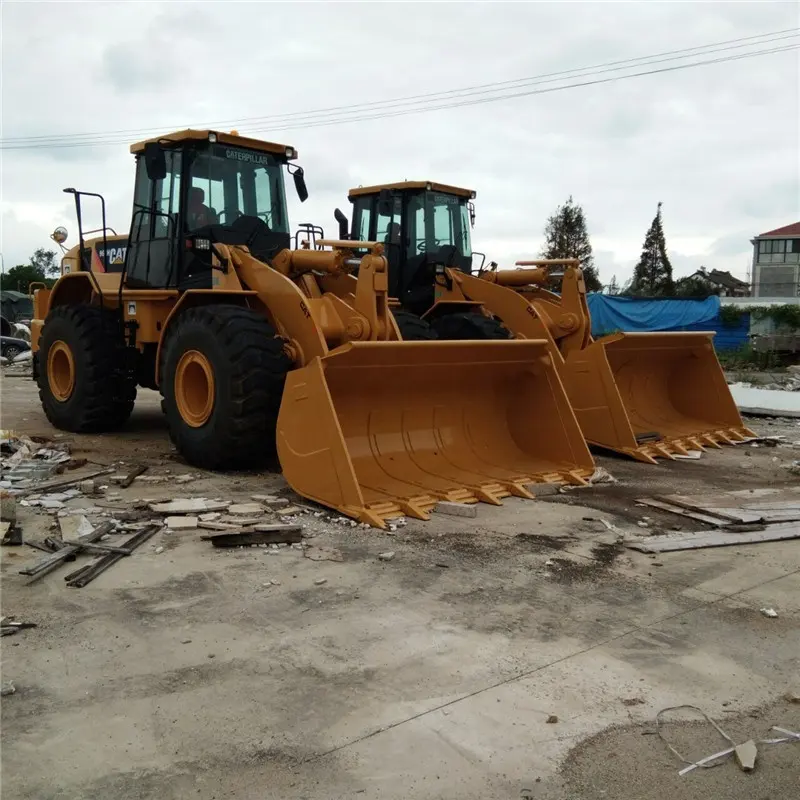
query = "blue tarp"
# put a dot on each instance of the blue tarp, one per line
(610, 313)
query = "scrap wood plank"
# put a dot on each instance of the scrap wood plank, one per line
(80, 577)
(42, 488)
(266, 534)
(51, 562)
(132, 475)
(684, 512)
(728, 514)
(699, 539)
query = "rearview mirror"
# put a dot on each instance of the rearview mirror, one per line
(299, 183)
(155, 161)
(59, 235)
(385, 203)
(471, 207)
(339, 216)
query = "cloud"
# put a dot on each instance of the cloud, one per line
(717, 144)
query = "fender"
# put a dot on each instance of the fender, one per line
(198, 297)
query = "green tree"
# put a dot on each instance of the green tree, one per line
(45, 262)
(652, 276)
(41, 267)
(566, 236)
(613, 287)
(693, 287)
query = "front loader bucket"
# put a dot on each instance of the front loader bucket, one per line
(384, 429)
(652, 395)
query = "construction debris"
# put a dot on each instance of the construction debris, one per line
(189, 506)
(388, 556)
(289, 511)
(132, 475)
(766, 402)
(769, 612)
(69, 551)
(87, 574)
(181, 523)
(318, 553)
(601, 475)
(74, 527)
(220, 526)
(695, 540)
(61, 484)
(320, 581)
(746, 755)
(7, 688)
(243, 509)
(9, 627)
(266, 534)
(456, 509)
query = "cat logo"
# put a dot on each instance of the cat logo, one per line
(114, 256)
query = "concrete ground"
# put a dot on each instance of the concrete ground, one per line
(196, 672)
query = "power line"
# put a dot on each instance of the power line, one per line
(458, 102)
(746, 41)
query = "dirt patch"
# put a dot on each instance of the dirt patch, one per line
(604, 765)
(604, 554)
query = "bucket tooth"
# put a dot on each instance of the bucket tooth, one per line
(725, 437)
(519, 490)
(416, 508)
(696, 443)
(574, 478)
(663, 450)
(709, 439)
(640, 454)
(679, 448)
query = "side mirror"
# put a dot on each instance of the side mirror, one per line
(385, 203)
(59, 235)
(155, 161)
(342, 220)
(471, 207)
(299, 183)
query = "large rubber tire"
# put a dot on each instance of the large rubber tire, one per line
(413, 328)
(100, 394)
(469, 325)
(248, 365)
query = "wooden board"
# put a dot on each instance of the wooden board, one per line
(663, 505)
(692, 541)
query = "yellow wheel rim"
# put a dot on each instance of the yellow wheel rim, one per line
(194, 388)
(60, 371)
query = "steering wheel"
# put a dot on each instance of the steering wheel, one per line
(234, 212)
(422, 246)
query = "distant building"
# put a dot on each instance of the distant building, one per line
(776, 262)
(722, 283)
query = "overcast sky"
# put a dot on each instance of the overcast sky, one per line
(719, 145)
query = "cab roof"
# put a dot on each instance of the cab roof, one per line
(412, 185)
(231, 138)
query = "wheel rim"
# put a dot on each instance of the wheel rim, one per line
(11, 353)
(61, 371)
(194, 388)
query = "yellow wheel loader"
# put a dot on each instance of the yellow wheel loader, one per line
(260, 349)
(647, 395)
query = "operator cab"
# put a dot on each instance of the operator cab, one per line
(197, 188)
(423, 225)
